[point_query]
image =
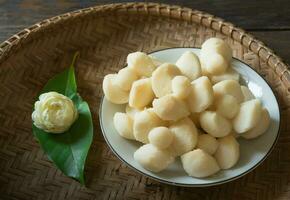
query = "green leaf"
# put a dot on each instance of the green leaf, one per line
(68, 150)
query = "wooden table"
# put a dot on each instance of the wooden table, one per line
(268, 20)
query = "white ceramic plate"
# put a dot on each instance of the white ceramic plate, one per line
(252, 152)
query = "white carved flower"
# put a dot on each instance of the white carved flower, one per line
(54, 112)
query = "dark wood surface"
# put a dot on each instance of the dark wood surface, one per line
(268, 20)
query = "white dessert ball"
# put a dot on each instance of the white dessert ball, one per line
(229, 87)
(215, 63)
(124, 125)
(180, 86)
(152, 158)
(216, 45)
(141, 63)
(162, 78)
(141, 93)
(215, 124)
(228, 152)
(248, 116)
(261, 127)
(200, 164)
(185, 136)
(170, 108)
(201, 94)
(189, 65)
(227, 106)
(113, 92)
(207, 143)
(125, 78)
(160, 137)
(143, 123)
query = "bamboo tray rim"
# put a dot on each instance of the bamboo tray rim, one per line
(9, 46)
(141, 8)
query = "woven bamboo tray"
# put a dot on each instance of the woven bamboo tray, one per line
(104, 35)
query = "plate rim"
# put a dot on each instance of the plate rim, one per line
(191, 184)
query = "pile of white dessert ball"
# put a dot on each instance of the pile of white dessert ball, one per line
(195, 108)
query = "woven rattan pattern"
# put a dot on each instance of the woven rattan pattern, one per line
(104, 35)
